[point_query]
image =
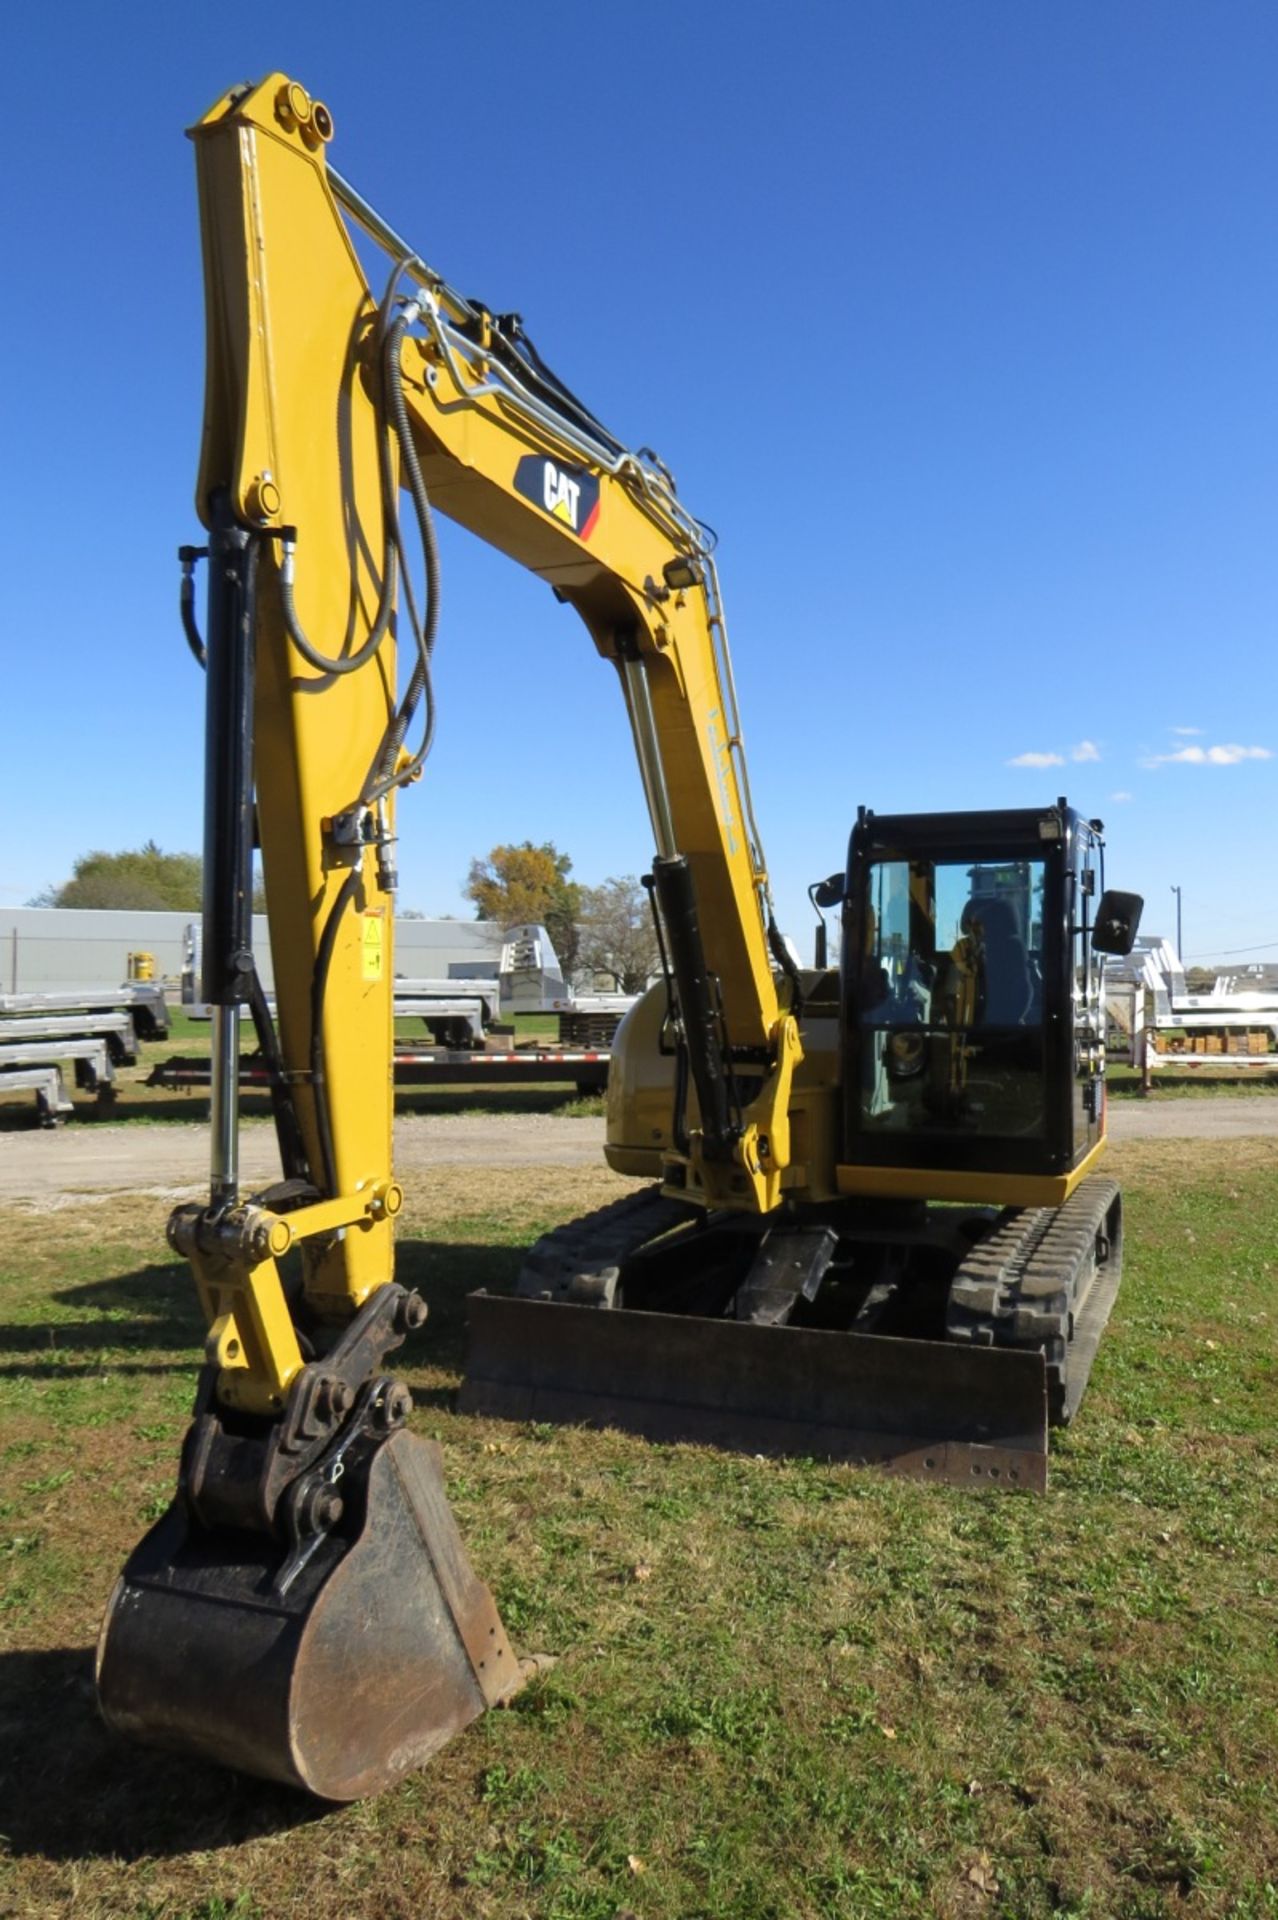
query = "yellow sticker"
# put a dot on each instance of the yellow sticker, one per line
(373, 944)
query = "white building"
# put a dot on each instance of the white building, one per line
(47, 948)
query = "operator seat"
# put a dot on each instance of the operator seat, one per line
(1006, 993)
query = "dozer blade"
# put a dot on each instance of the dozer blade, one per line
(922, 1407)
(381, 1649)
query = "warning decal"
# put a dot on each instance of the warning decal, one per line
(373, 943)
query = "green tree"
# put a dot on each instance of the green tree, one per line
(529, 883)
(141, 880)
(617, 933)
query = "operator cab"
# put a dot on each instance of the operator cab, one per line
(972, 1001)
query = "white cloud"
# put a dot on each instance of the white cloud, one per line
(1120, 796)
(1085, 750)
(1223, 756)
(1184, 730)
(1038, 760)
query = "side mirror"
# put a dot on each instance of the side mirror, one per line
(828, 893)
(1117, 922)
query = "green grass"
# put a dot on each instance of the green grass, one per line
(785, 1689)
(1211, 1082)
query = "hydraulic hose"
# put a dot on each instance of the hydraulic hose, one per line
(186, 602)
(785, 960)
(346, 662)
(319, 984)
(383, 774)
(352, 662)
(287, 1131)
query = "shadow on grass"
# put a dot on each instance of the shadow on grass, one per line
(185, 1105)
(493, 1099)
(158, 1312)
(163, 1317)
(191, 1104)
(70, 1789)
(444, 1273)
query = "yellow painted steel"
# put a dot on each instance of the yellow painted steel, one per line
(995, 1188)
(291, 434)
(288, 423)
(640, 1100)
(252, 1339)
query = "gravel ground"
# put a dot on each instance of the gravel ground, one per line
(74, 1164)
(55, 1169)
(1223, 1117)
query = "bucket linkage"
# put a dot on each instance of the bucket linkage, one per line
(305, 1610)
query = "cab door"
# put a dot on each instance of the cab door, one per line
(1088, 1102)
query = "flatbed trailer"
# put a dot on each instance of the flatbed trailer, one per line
(142, 1000)
(587, 1069)
(34, 1066)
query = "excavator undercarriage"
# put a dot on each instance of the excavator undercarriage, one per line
(940, 1342)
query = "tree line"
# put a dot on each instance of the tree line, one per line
(605, 929)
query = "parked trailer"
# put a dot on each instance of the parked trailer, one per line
(96, 1029)
(142, 1001)
(586, 1068)
(52, 1100)
(455, 1013)
(116, 1029)
(91, 1058)
(1153, 1022)
(532, 981)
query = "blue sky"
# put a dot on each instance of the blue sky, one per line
(956, 321)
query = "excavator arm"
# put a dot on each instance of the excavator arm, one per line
(333, 411)
(319, 393)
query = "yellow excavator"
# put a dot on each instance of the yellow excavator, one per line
(873, 1226)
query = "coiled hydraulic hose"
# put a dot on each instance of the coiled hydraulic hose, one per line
(344, 662)
(385, 771)
(352, 662)
(384, 774)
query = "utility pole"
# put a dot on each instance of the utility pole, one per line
(1179, 943)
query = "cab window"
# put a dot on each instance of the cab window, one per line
(949, 996)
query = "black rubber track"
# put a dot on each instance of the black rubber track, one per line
(1043, 1280)
(582, 1260)
(1046, 1278)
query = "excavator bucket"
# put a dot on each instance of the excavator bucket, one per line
(964, 1415)
(378, 1650)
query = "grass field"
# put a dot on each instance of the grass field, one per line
(1196, 1082)
(785, 1689)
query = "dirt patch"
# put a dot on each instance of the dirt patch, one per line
(49, 1171)
(1224, 1117)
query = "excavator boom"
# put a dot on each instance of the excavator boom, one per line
(305, 1508)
